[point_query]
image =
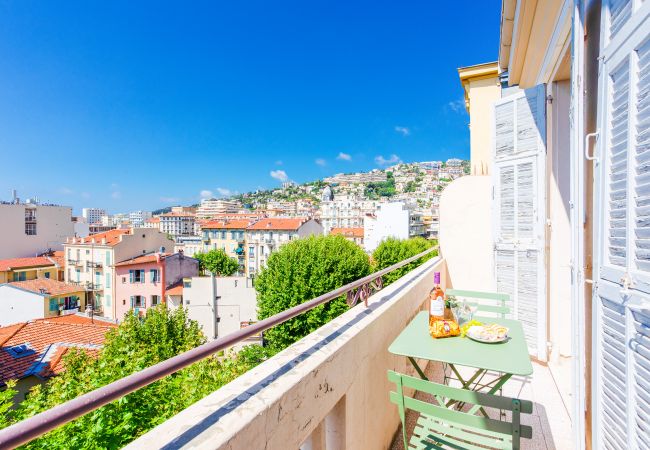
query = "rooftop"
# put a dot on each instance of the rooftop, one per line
(45, 286)
(152, 257)
(36, 347)
(112, 237)
(348, 232)
(22, 263)
(279, 224)
(236, 224)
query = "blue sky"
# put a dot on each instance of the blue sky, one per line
(137, 105)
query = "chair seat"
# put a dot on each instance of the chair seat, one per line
(431, 433)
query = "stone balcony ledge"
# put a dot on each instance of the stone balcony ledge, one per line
(328, 390)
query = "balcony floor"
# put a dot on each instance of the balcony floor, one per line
(550, 419)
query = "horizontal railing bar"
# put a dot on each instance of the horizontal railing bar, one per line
(33, 427)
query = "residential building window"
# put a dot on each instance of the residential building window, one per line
(108, 300)
(108, 258)
(138, 301)
(78, 254)
(87, 252)
(187, 283)
(233, 235)
(223, 235)
(107, 283)
(30, 229)
(154, 275)
(155, 300)
(47, 274)
(123, 280)
(136, 276)
(20, 276)
(78, 275)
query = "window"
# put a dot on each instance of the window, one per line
(138, 301)
(108, 258)
(136, 276)
(233, 235)
(154, 276)
(78, 275)
(108, 300)
(20, 276)
(87, 252)
(47, 274)
(30, 229)
(223, 235)
(54, 304)
(107, 283)
(187, 283)
(123, 280)
(155, 300)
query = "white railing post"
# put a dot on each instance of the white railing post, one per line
(335, 427)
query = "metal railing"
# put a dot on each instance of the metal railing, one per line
(35, 426)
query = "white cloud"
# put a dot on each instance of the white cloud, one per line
(279, 175)
(65, 191)
(344, 157)
(169, 199)
(321, 162)
(205, 193)
(225, 192)
(392, 159)
(404, 131)
(115, 195)
(457, 106)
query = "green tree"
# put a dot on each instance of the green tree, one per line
(391, 251)
(410, 186)
(136, 344)
(217, 262)
(300, 271)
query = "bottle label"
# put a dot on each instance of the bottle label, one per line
(437, 307)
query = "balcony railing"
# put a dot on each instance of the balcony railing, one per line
(360, 290)
(93, 265)
(93, 286)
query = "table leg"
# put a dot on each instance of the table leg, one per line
(502, 380)
(417, 369)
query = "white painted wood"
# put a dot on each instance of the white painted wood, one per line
(622, 232)
(519, 210)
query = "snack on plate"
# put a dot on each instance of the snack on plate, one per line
(467, 325)
(443, 328)
(489, 333)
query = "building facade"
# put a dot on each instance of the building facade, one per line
(30, 229)
(93, 215)
(90, 262)
(209, 208)
(177, 224)
(229, 236)
(346, 212)
(351, 234)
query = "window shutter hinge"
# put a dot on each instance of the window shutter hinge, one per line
(549, 98)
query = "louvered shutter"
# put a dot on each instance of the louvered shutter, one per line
(621, 330)
(519, 208)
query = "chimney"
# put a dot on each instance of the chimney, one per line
(103, 241)
(157, 257)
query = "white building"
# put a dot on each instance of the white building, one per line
(391, 220)
(177, 224)
(137, 218)
(346, 212)
(267, 235)
(189, 245)
(221, 305)
(90, 262)
(212, 206)
(93, 215)
(30, 229)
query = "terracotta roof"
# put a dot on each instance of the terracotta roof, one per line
(279, 224)
(58, 257)
(21, 263)
(142, 259)
(175, 289)
(177, 214)
(43, 343)
(51, 287)
(79, 319)
(348, 232)
(153, 220)
(238, 224)
(112, 238)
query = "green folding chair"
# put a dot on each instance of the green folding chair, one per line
(492, 302)
(439, 427)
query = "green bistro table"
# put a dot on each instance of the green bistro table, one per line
(508, 358)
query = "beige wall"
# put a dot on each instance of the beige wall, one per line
(482, 95)
(334, 380)
(466, 240)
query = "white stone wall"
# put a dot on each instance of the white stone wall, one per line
(333, 381)
(19, 305)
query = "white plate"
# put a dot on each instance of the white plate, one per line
(473, 334)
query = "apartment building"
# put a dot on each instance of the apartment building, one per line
(39, 298)
(90, 261)
(351, 234)
(269, 234)
(373, 176)
(177, 224)
(227, 235)
(189, 245)
(31, 229)
(142, 281)
(153, 222)
(137, 218)
(23, 269)
(209, 208)
(93, 215)
(346, 212)
(392, 220)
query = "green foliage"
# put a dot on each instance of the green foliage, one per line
(381, 189)
(300, 271)
(410, 186)
(6, 402)
(392, 251)
(136, 344)
(217, 262)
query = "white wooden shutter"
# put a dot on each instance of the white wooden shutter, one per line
(621, 329)
(519, 208)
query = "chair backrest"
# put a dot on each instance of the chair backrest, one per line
(456, 428)
(496, 302)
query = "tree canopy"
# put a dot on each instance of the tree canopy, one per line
(136, 344)
(217, 262)
(300, 271)
(392, 251)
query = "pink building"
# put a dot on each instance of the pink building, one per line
(142, 282)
